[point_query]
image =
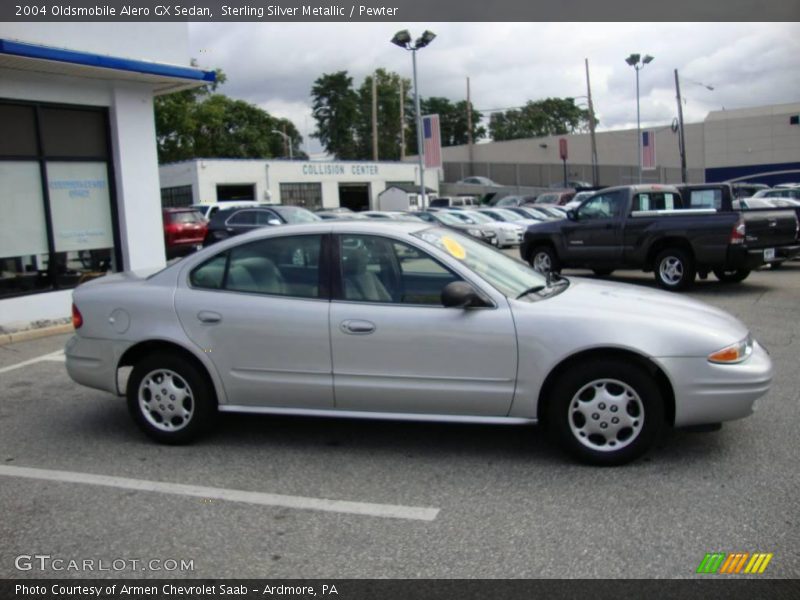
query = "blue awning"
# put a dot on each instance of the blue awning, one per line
(164, 77)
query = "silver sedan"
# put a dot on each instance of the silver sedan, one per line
(408, 321)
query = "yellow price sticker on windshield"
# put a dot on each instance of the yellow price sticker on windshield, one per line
(454, 248)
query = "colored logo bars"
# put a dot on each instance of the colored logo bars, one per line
(735, 563)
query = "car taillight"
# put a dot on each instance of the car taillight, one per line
(77, 317)
(171, 230)
(738, 231)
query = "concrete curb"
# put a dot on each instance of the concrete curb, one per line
(34, 334)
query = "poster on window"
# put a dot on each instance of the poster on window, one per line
(80, 205)
(22, 228)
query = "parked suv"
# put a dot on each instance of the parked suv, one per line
(227, 223)
(184, 230)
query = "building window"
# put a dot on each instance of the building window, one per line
(236, 191)
(176, 196)
(58, 223)
(307, 195)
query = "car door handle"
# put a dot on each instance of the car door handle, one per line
(208, 316)
(357, 327)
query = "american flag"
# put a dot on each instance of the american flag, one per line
(431, 141)
(649, 149)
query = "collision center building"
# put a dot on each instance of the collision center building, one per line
(311, 184)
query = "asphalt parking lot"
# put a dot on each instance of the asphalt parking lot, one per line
(417, 500)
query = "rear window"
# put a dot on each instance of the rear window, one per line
(705, 199)
(655, 201)
(185, 216)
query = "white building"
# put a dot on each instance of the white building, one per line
(79, 187)
(311, 184)
(761, 144)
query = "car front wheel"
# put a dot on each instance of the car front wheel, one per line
(170, 399)
(674, 269)
(606, 412)
(544, 259)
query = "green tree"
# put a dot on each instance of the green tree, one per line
(452, 122)
(388, 116)
(201, 123)
(335, 109)
(551, 116)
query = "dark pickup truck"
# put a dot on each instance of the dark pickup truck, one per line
(655, 228)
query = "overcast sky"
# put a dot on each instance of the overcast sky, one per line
(748, 64)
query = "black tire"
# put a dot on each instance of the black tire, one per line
(541, 257)
(639, 403)
(674, 269)
(193, 395)
(602, 272)
(731, 276)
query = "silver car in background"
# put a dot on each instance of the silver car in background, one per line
(407, 321)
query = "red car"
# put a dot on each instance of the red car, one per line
(184, 230)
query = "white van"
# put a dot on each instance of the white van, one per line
(455, 201)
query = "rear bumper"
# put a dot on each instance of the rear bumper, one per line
(710, 393)
(93, 362)
(740, 257)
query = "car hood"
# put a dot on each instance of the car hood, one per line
(658, 323)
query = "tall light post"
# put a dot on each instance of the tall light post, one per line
(638, 62)
(681, 138)
(403, 40)
(286, 139)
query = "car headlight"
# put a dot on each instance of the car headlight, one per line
(474, 232)
(735, 353)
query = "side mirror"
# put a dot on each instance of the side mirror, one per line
(273, 222)
(460, 294)
(572, 214)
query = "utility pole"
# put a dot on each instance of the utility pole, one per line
(592, 125)
(681, 138)
(402, 122)
(374, 117)
(469, 130)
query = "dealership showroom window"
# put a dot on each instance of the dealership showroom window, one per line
(58, 222)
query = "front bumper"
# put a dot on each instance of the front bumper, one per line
(509, 238)
(93, 362)
(710, 393)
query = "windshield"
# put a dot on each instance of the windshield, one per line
(480, 217)
(297, 215)
(463, 216)
(509, 215)
(446, 217)
(510, 277)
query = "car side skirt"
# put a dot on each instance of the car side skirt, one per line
(386, 416)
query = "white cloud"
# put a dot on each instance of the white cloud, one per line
(748, 64)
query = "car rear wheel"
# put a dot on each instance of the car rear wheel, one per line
(170, 399)
(544, 259)
(734, 276)
(606, 412)
(674, 269)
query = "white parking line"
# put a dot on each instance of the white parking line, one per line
(391, 511)
(57, 356)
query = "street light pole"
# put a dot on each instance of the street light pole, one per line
(403, 40)
(286, 139)
(634, 61)
(681, 138)
(417, 111)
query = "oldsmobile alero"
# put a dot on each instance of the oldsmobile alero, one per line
(406, 321)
